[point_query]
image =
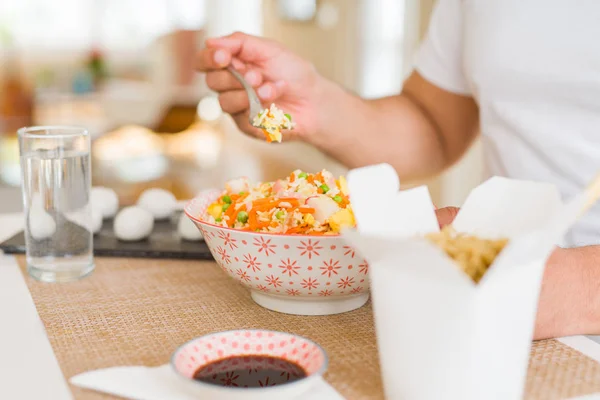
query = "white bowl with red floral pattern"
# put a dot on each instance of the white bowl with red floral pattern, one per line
(292, 274)
(222, 352)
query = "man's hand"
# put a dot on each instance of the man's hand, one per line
(277, 74)
(570, 289)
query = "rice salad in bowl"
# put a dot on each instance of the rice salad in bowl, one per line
(281, 241)
(272, 120)
(302, 203)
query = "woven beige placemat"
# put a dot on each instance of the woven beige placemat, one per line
(137, 311)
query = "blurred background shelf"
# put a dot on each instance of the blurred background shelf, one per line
(125, 70)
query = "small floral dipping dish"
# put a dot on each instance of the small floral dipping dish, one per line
(292, 274)
(206, 350)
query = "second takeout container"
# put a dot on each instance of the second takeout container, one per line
(440, 335)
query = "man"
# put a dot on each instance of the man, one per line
(523, 74)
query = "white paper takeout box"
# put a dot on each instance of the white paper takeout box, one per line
(440, 335)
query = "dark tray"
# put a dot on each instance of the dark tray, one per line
(163, 242)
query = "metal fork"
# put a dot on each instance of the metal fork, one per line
(255, 105)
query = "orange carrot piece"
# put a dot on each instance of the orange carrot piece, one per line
(233, 215)
(292, 177)
(230, 211)
(297, 229)
(266, 207)
(269, 140)
(259, 202)
(252, 219)
(273, 203)
(306, 210)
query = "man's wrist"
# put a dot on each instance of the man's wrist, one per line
(334, 108)
(323, 95)
(580, 263)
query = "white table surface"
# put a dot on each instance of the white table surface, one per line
(28, 367)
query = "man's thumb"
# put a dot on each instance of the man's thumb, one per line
(446, 215)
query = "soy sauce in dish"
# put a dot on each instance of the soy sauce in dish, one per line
(253, 371)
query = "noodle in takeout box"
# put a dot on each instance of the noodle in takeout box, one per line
(440, 334)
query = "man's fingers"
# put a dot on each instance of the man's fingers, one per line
(234, 101)
(238, 65)
(210, 59)
(253, 77)
(271, 91)
(446, 215)
(246, 47)
(223, 80)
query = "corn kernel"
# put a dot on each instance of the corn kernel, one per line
(215, 210)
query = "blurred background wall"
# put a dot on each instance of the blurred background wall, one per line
(124, 69)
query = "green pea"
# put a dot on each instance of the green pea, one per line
(279, 214)
(337, 199)
(288, 116)
(302, 175)
(227, 199)
(325, 188)
(218, 219)
(242, 217)
(226, 206)
(242, 193)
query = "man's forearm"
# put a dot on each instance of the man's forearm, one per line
(359, 132)
(570, 293)
(420, 132)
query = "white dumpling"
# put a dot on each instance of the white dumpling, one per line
(187, 229)
(92, 221)
(159, 202)
(105, 200)
(133, 223)
(96, 222)
(41, 224)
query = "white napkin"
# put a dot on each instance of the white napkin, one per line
(159, 383)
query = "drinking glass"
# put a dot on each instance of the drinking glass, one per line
(56, 185)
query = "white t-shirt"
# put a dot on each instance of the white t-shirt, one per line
(533, 66)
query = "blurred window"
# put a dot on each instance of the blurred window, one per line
(383, 43)
(79, 24)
